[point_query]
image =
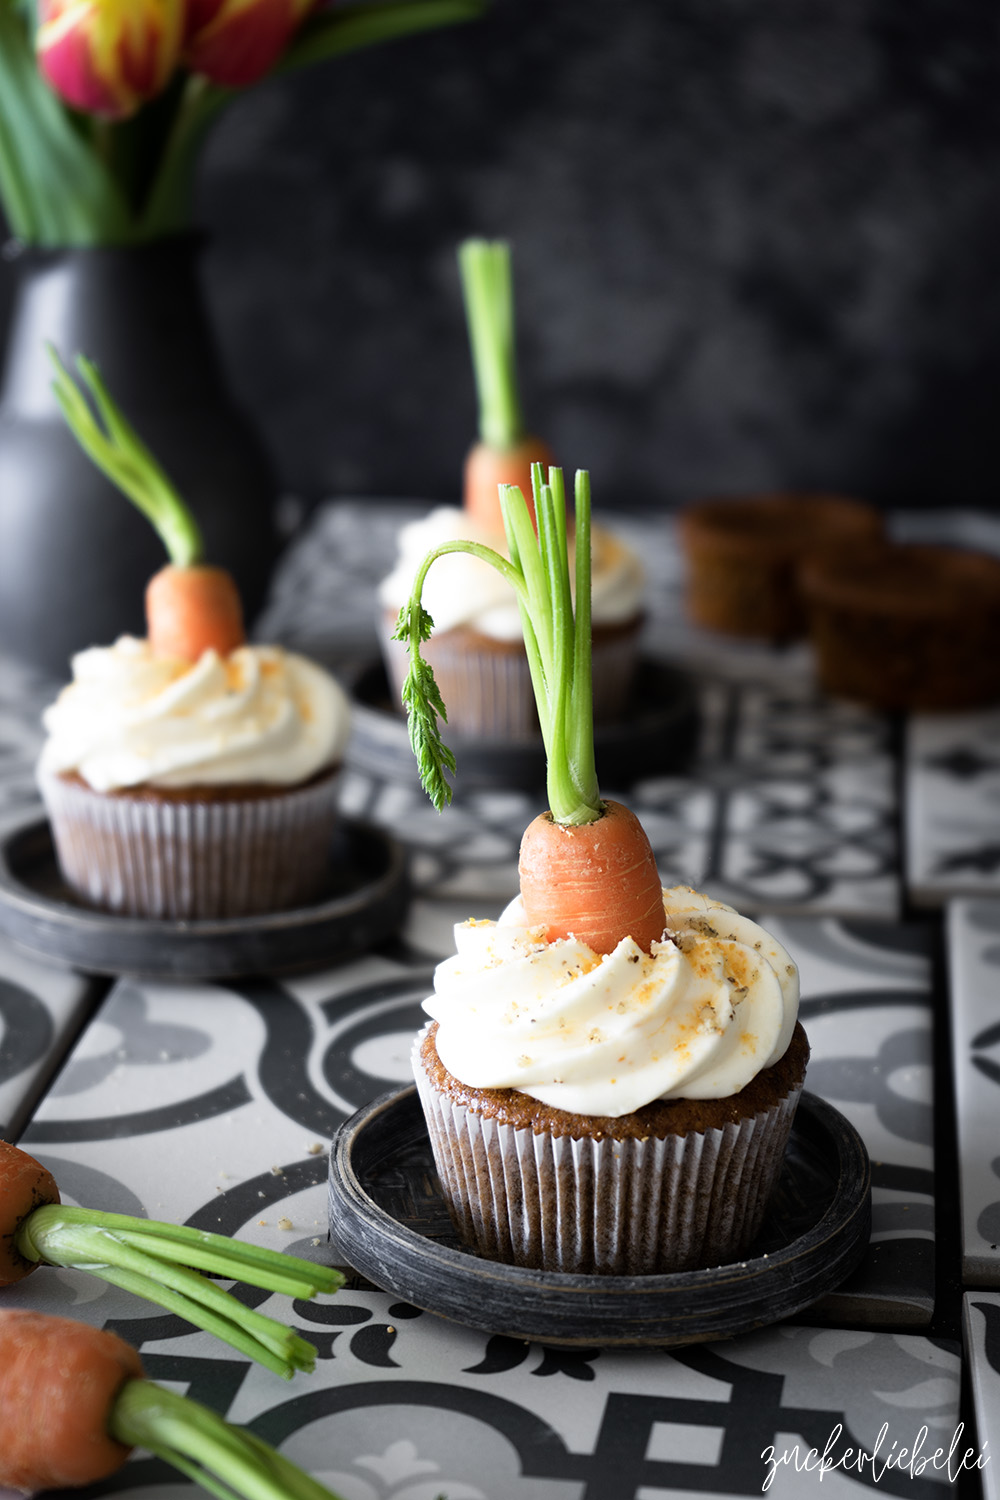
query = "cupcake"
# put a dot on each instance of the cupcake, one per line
(200, 789)
(901, 626)
(620, 1114)
(478, 649)
(743, 554)
(612, 1071)
(190, 775)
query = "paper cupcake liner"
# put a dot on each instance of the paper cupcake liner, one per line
(612, 1207)
(488, 693)
(192, 860)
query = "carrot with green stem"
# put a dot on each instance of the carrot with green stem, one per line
(161, 1262)
(75, 1401)
(190, 606)
(586, 865)
(505, 451)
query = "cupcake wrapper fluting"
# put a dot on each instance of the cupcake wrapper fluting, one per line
(192, 860)
(614, 1207)
(488, 693)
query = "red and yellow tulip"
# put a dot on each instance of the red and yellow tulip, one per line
(107, 57)
(235, 42)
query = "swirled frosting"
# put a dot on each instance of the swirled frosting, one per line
(130, 717)
(697, 1018)
(464, 590)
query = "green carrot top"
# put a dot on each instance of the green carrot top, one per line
(488, 291)
(556, 638)
(121, 455)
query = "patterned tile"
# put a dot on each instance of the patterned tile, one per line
(973, 932)
(952, 772)
(866, 1007)
(41, 1011)
(206, 1105)
(982, 1350)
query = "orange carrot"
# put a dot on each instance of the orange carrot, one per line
(24, 1186)
(57, 1388)
(75, 1401)
(505, 451)
(486, 468)
(161, 1262)
(594, 881)
(586, 865)
(190, 608)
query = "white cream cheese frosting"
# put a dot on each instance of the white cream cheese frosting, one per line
(464, 590)
(712, 1005)
(261, 714)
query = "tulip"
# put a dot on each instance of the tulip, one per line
(235, 42)
(107, 57)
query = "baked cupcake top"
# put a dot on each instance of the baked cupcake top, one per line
(697, 1017)
(464, 590)
(132, 717)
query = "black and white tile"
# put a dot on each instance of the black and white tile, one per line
(981, 1316)
(42, 1009)
(952, 802)
(214, 1105)
(973, 940)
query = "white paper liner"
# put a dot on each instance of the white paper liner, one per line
(193, 860)
(489, 694)
(612, 1207)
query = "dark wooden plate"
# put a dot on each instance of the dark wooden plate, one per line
(390, 1223)
(656, 736)
(365, 901)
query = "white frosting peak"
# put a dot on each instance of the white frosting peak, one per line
(696, 1018)
(464, 590)
(259, 714)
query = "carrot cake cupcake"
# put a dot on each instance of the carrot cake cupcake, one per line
(189, 775)
(612, 1070)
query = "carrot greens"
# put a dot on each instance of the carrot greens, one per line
(155, 1260)
(121, 455)
(226, 1460)
(556, 638)
(487, 289)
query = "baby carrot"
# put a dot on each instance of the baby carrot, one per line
(586, 865)
(505, 452)
(25, 1185)
(58, 1382)
(190, 607)
(75, 1402)
(158, 1261)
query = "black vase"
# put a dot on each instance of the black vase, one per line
(75, 555)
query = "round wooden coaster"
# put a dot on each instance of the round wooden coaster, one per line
(366, 901)
(389, 1221)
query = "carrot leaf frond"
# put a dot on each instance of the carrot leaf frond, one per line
(114, 447)
(421, 694)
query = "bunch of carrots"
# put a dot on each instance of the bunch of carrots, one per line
(191, 607)
(586, 865)
(74, 1398)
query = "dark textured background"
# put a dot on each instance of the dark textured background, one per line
(756, 244)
